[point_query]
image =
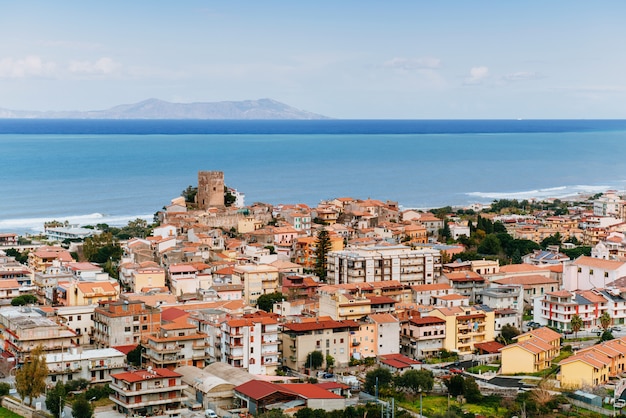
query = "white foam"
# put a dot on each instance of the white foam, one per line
(549, 192)
(35, 225)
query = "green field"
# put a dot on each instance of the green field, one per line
(5, 413)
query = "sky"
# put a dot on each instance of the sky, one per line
(394, 59)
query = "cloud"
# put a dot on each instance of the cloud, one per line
(522, 76)
(104, 65)
(410, 64)
(477, 75)
(31, 66)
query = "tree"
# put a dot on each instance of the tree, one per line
(416, 380)
(605, 321)
(323, 246)
(81, 408)
(190, 194)
(266, 302)
(471, 390)
(229, 198)
(381, 376)
(134, 356)
(509, 332)
(55, 398)
(576, 323)
(314, 360)
(456, 385)
(30, 379)
(102, 247)
(330, 361)
(24, 300)
(490, 245)
(551, 240)
(606, 336)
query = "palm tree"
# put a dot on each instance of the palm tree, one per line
(605, 321)
(576, 323)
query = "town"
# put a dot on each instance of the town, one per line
(223, 309)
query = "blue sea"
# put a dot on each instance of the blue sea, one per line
(111, 171)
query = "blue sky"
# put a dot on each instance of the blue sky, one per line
(344, 59)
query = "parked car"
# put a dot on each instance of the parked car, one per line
(616, 329)
(620, 403)
(456, 371)
(209, 413)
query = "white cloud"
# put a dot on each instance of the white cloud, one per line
(477, 75)
(31, 66)
(104, 65)
(521, 76)
(409, 64)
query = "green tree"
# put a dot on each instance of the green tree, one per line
(416, 380)
(314, 360)
(30, 379)
(576, 323)
(381, 375)
(471, 390)
(229, 198)
(101, 248)
(322, 248)
(552, 240)
(490, 245)
(456, 385)
(606, 336)
(134, 356)
(266, 302)
(55, 398)
(24, 300)
(190, 194)
(81, 408)
(605, 320)
(508, 332)
(330, 361)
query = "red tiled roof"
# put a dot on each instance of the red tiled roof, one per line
(142, 375)
(259, 389)
(491, 347)
(317, 325)
(310, 391)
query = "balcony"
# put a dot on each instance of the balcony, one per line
(98, 366)
(154, 388)
(166, 349)
(64, 370)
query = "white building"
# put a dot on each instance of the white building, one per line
(586, 273)
(377, 264)
(608, 204)
(96, 366)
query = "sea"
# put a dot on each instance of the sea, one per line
(113, 171)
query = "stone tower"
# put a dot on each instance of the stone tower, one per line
(210, 189)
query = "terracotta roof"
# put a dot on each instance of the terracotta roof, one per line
(259, 389)
(464, 276)
(431, 287)
(171, 314)
(543, 333)
(318, 325)
(593, 358)
(491, 347)
(310, 391)
(427, 320)
(527, 281)
(9, 284)
(517, 268)
(332, 385)
(383, 318)
(125, 348)
(142, 375)
(598, 263)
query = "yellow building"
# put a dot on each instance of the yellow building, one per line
(588, 369)
(147, 277)
(594, 365)
(341, 305)
(257, 280)
(86, 293)
(465, 326)
(533, 352)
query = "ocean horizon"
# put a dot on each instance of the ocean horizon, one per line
(112, 171)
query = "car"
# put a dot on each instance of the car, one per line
(456, 371)
(620, 403)
(568, 332)
(616, 329)
(209, 413)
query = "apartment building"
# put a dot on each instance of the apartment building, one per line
(43, 257)
(95, 366)
(151, 392)
(533, 351)
(377, 264)
(251, 343)
(595, 365)
(588, 272)
(124, 322)
(422, 336)
(257, 280)
(377, 334)
(465, 326)
(328, 336)
(466, 283)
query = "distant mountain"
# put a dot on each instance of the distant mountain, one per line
(159, 109)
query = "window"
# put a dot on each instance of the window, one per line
(127, 329)
(590, 271)
(606, 274)
(78, 317)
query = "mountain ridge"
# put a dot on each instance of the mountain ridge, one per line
(161, 109)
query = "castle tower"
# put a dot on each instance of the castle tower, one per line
(210, 189)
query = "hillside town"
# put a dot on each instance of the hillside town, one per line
(235, 309)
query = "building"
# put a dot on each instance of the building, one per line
(466, 283)
(325, 335)
(556, 309)
(251, 343)
(151, 392)
(256, 280)
(586, 273)
(377, 334)
(95, 366)
(124, 323)
(534, 285)
(533, 351)
(377, 264)
(465, 326)
(593, 366)
(210, 189)
(422, 336)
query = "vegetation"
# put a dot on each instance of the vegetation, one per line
(55, 398)
(81, 408)
(24, 300)
(330, 361)
(323, 246)
(102, 248)
(605, 320)
(20, 257)
(266, 302)
(30, 379)
(314, 360)
(415, 380)
(576, 323)
(381, 377)
(507, 334)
